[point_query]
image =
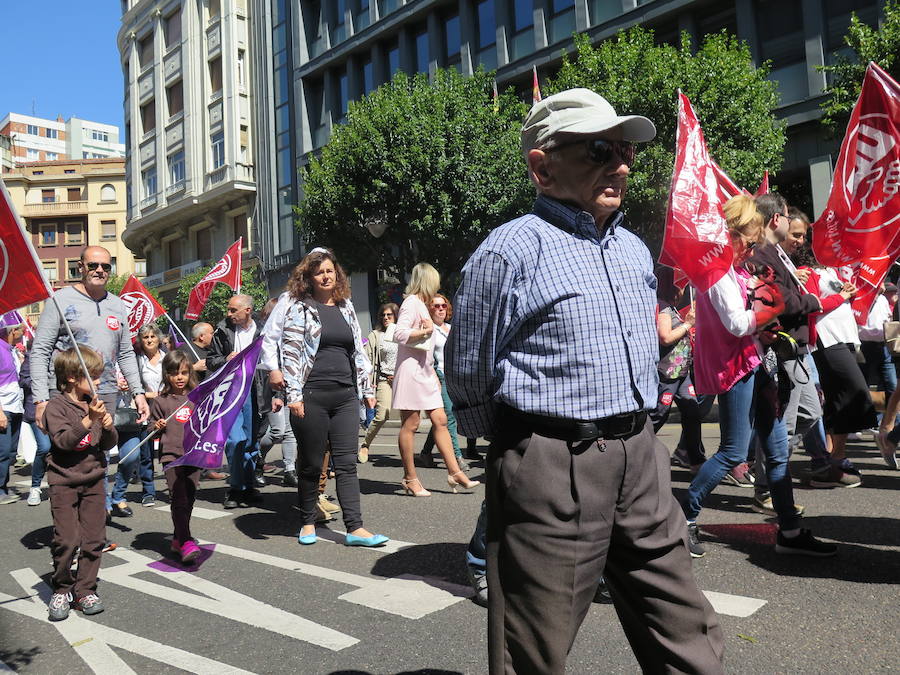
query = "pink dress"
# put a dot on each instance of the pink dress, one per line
(416, 385)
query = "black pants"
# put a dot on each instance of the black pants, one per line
(848, 404)
(331, 415)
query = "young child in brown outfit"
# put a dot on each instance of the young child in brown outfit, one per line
(179, 378)
(81, 431)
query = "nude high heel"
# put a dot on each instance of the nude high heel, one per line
(464, 481)
(421, 492)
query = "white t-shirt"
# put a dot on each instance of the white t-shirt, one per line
(244, 336)
(151, 374)
(880, 313)
(440, 339)
(839, 324)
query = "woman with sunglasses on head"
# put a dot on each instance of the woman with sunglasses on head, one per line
(416, 385)
(735, 317)
(382, 352)
(441, 313)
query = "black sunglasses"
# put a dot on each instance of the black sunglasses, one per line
(600, 151)
(94, 265)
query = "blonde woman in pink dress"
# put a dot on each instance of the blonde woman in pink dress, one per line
(416, 385)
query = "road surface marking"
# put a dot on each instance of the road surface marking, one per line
(92, 641)
(733, 605)
(198, 512)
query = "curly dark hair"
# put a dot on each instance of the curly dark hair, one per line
(300, 283)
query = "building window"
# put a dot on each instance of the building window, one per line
(204, 244)
(107, 229)
(240, 229)
(173, 252)
(33, 129)
(562, 20)
(338, 28)
(241, 64)
(173, 29)
(148, 179)
(215, 8)
(452, 42)
(73, 269)
(779, 26)
(140, 268)
(74, 234)
(52, 156)
(113, 268)
(148, 116)
(51, 269)
(64, 171)
(218, 150)
(523, 13)
(108, 193)
(32, 154)
(393, 59)
(175, 98)
(47, 234)
(74, 194)
(145, 51)
(421, 42)
(343, 93)
(386, 6)
(41, 173)
(98, 135)
(48, 196)
(52, 133)
(368, 77)
(176, 167)
(215, 74)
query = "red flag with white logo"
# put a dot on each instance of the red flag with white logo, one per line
(696, 236)
(226, 271)
(142, 307)
(763, 188)
(21, 279)
(862, 218)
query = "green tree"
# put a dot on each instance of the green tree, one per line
(881, 45)
(431, 163)
(216, 306)
(732, 98)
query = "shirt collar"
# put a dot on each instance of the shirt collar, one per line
(570, 219)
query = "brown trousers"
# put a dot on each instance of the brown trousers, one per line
(79, 522)
(182, 482)
(560, 516)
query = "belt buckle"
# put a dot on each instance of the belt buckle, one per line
(631, 428)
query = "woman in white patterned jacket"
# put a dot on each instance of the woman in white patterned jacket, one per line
(326, 374)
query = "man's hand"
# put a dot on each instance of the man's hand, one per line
(200, 366)
(3, 421)
(140, 402)
(276, 380)
(297, 409)
(277, 405)
(123, 384)
(39, 409)
(768, 337)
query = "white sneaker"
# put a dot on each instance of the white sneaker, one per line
(34, 496)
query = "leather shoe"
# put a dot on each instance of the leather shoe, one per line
(307, 539)
(259, 480)
(231, 501)
(121, 511)
(289, 479)
(374, 540)
(213, 475)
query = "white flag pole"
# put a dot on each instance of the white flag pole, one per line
(183, 336)
(50, 294)
(149, 436)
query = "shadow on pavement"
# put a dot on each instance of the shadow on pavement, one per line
(443, 562)
(17, 658)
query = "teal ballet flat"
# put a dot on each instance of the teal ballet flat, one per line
(307, 539)
(374, 540)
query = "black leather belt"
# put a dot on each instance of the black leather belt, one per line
(608, 428)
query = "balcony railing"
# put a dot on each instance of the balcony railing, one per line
(216, 176)
(147, 202)
(56, 209)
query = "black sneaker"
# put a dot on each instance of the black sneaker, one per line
(694, 545)
(232, 499)
(120, 511)
(289, 479)
(804, 544)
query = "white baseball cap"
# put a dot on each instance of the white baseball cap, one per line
(580, 112)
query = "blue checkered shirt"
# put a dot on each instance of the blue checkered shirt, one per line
(556, 319)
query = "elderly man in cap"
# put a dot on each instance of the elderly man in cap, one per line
(553, 353)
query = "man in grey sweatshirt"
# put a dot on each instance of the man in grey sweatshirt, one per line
(100, 321)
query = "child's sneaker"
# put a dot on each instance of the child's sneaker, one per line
(34, 496)
(59, 606)
(189, 552)
(89, 604)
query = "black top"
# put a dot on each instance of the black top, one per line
(333, 364)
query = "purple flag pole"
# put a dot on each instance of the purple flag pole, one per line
(217, 403)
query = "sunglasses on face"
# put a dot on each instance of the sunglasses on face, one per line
(92, 266)
(602, 152)
(388, 314)
(439, 305)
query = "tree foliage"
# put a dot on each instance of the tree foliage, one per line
(881, 45)
(732, 98)
(216, 306)
(430, 161)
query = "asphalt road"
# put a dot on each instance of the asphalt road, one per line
(258, 602)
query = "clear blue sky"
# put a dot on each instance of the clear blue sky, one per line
(61, 57)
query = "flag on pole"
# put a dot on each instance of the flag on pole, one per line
(535, 86)
(496, 99)
(174, 337)
(696, 238)
(21, 279)
(11, 318)
(763, 188)
(226, 271)
(213, 407)
(141, 305)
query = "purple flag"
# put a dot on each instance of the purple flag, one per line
(216, 404)
(12, 318)
(173, 336)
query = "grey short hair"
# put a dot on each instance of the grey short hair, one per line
(197, 329)
(151, 328)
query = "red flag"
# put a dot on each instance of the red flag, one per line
(142, 307)
(696, 237)
(535, 86)
(763, 188)
(862, 218)
(21, 279)
(226, 271)
(868, 276)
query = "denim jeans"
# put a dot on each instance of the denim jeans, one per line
(9, 444)
(693, 409)
(240, 448)
(39, 465)
(428, 446)
(477, 550)
(748, 407)
(133, 461)
(879, 367)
